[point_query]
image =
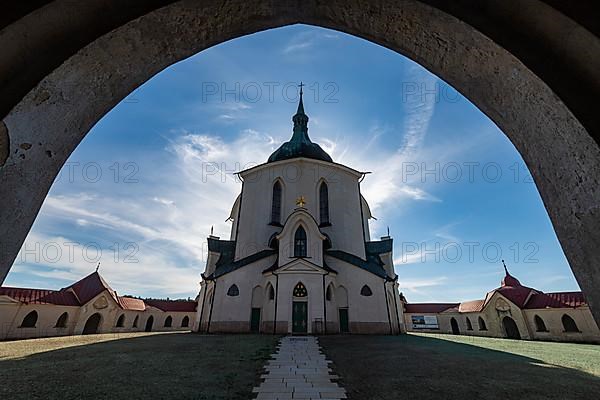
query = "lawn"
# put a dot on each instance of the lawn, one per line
(134, 366)
(461, 367)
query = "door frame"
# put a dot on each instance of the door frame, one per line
(252, 310)
(340, 309)
(307, 331)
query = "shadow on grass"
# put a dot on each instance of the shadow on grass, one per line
(181, 366)
(422, 367)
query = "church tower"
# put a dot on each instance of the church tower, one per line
(299, 258)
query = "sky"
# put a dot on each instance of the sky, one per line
(143, 190)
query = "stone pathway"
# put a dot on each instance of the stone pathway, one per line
(298, 370)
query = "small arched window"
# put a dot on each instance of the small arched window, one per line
(233, 290)
(135, 321)
(61, 322)
(481, 322)
(569, 324)
(366, 291)
(30, 320)
(328, 294)
(469, 325)
(185, 322)
(324, 204)
(300, 242)
(271, 293)
(121, 321)
(300, 290)
(540, 326)
(168, 322)
(276, 204)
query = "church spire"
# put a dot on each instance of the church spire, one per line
(300, 121)
(300, 145)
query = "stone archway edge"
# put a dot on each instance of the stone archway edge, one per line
(50, 121)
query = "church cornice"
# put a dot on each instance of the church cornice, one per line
(358, 174)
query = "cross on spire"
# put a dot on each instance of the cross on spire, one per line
(300, 85)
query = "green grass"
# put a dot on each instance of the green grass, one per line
(423, 366)
(134, 366)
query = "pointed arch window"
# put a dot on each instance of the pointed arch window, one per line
(540, 326)
(324, 204)
(185, 322)
(276, 203)
(300, 290)
(300, 242)
(469, 325)
(271, 293)
(61, 322)
(135, 321)
(569, 324)
(481, 323)
(30, 320)
(233, 290)
(121, 321)
(328, 294)
(366, 291)
(169, 322)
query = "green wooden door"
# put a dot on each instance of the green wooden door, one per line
(344, 320)
(299, 317)
(255, 320)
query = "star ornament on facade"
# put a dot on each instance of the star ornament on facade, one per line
(300, 201)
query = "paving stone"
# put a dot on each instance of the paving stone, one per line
(298, 370)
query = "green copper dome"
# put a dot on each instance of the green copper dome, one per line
(300, 144)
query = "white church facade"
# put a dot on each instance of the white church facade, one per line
(300, 258)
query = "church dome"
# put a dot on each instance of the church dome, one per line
(300, 144)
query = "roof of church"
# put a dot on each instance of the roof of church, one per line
(556, 300)
(428, 307)
(173, 305)
(300, 144)
(372, 264)
(226, 263)
(81, 292)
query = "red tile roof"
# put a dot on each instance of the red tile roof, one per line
(556, 300)
(40, 296)
(471, 306)
(130, 303)
(91, 286)
(428, 307)
(173, 305)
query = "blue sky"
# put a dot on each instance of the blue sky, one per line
(140, 193)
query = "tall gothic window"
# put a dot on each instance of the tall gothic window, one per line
(469, 325)
(481, 323)
(300, 242)
(30, 320)
(324, 203)
(276, 205)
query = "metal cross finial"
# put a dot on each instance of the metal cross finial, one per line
(98, 266)
(301, 84)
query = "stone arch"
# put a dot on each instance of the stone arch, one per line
(469, 324)
(498, 73)
(270, 292)
(341, 296)
(120, 321)
(93, 324)
(135, 321)
(329, 293)
(481, 324)
(168, 322)
(257, 296)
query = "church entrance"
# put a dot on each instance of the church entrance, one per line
(455, 329)
(510, 328)
(92, 325)
(299, 317)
